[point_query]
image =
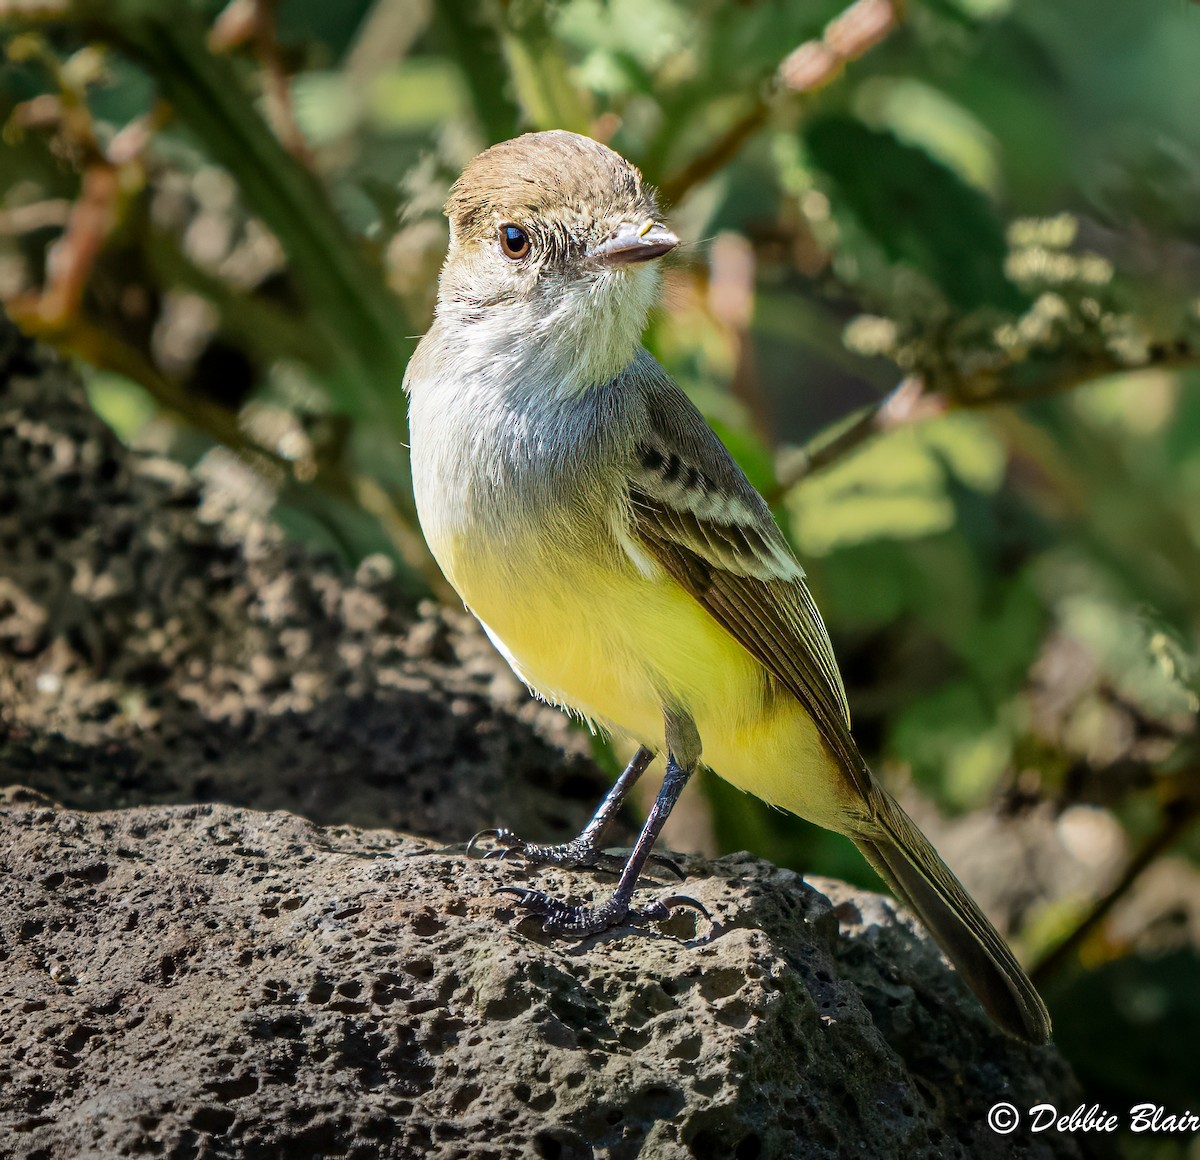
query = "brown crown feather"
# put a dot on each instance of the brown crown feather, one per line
(551, 174)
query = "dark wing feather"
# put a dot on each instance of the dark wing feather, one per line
(699, 517)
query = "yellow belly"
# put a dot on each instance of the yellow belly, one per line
(614, 645)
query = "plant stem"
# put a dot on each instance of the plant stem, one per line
(1025, 384)
(716, 156)
(346, 298)
(1177, 816)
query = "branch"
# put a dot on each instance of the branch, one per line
(1177, 816)
(716, 156)
(912, 401)
(811, 66)
(254, 22)
(345, 293)
(906, 403)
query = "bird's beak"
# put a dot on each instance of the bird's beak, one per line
(631, 242)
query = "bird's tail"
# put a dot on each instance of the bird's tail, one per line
(906, 861)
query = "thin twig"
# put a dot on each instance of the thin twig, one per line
(344, 292)
(912, 402)
(906, 403)
(1177, 816)
(716, 156)
(848, 36)
(277, 84)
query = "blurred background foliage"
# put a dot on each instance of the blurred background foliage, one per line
(941, 297)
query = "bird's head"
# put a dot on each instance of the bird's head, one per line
(552, 241)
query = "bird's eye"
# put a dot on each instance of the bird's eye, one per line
(514, 241)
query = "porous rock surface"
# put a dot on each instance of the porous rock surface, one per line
(157, 648)
(204, 981)
(188, 979)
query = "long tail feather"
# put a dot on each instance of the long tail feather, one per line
(906, 861)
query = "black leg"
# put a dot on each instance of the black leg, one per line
(614, 799)
(584, 850)
(564, 918)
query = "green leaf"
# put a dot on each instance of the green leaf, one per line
(1130, 1019)
(896, 488)
(471, 37)
(1003, 641)
(919, 211)
(955, 747)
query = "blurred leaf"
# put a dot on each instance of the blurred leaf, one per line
(1138, 656)
(125, 91)
(953, 743)
(745, 43)
(896, 487)
(326, 107)
(332, 25)
(917, 210)
(1004, 640)
(628, 39)
(475, 48)
(1155, 182)
(1131, 1027)
(1012, 82)
(122, 404)
(421, 93)
(539, 70)
(926, 118)
(867, 585)
(1181, 438)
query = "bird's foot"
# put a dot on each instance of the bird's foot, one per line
(566, 918)
(572, 855)
(577, 854)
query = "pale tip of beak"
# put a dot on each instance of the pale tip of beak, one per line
(634, 243)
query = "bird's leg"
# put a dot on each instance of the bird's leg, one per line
(584, 850)
(567, 918)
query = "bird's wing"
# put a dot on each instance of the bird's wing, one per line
(697, 515)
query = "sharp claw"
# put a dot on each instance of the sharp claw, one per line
(688, 902)
(506, 843)
(471, 845)
(564, 918)
(551, 911)
(671, 865)
(521, 893)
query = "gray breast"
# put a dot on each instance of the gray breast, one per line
(501, 463)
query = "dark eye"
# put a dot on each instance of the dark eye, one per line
(514, 241)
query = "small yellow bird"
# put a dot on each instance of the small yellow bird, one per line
(615, 553)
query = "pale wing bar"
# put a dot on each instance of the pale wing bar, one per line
(773, 619)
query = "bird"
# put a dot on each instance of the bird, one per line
(617, 556)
